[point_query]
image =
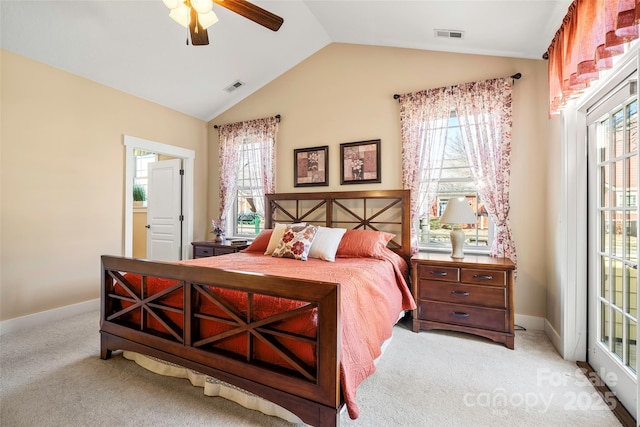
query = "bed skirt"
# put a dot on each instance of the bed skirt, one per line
(216, 388)
(212, 386)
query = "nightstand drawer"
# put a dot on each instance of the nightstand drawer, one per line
(483, 277)
(224, 251)
(449, 274)
(487, 296)
(478, 317)
(203, 251)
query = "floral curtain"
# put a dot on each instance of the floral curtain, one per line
(484, 112)
(424, 118)
(591, 34)
(260, 137)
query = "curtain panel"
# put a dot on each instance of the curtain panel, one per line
(424, 117)
(485, 114)
(591, 34)
(233, 139)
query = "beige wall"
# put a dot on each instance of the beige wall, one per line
(555, 245)
(139, 233)
(344, 93)
(62, 170)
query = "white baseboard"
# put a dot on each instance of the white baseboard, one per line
(529, 322)
(44, 317)
(554, 337)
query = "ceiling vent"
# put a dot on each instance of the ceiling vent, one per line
(235, 85)
(450, 34)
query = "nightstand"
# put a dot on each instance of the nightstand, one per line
(472, 295)
(208, 248)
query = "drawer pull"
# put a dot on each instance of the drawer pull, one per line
(438, 273)
(460, 293)
(459, 314)
(482, 277)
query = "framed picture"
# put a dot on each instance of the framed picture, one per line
(311, 166)
(360, 162)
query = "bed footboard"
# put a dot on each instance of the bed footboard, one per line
(311, 391)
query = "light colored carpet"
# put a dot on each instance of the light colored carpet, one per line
(53, 376)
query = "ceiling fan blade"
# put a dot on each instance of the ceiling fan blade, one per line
(253, 12)
(199, 35)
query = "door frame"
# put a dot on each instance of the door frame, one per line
(131, 143)
(573, 255)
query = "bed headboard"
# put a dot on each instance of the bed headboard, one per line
(380, 210)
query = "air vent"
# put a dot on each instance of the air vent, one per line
(450, 34)
(235, 85)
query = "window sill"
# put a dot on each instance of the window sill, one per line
(470, 251)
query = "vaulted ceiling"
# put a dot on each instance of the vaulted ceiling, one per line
(134, 46)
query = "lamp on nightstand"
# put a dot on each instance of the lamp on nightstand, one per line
(458, 212)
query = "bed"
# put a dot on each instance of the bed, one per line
(283, 329)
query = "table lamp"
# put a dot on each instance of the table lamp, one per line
(458, 212)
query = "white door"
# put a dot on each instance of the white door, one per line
(613, 241)
(164, 211)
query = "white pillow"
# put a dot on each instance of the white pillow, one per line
(276, 236)
(326, 243)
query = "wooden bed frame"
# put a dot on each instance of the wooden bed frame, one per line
(311, 394)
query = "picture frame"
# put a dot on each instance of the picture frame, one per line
(360, 162)
(311, 166)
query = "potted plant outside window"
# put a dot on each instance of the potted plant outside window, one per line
(139, 195)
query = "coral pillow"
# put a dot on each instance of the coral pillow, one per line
(261, 242)
(363, 243)
(326, 243)
(296, 241)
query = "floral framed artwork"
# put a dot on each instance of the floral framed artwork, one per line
(311, 166)
(360, 162)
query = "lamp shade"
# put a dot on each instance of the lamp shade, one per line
(458, 211)
(172, 4)
(181, 15)
(202, 6)
(207, 19)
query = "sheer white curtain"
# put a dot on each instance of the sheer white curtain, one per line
(484, 111)
(259, 136)
(424, 117)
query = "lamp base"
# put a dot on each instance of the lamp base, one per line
(457, 237)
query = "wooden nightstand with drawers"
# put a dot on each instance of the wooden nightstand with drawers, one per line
(208, 248)
(472, 295)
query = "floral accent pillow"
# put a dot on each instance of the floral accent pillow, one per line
(295, 242)
(276, 236)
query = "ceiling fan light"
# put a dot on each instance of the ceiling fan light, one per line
(202, 6)
(207, 19)
(181, 15)
(172, 4)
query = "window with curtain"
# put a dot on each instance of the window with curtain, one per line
(466, 152)
(247, 173)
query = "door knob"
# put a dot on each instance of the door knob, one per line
(148, 226)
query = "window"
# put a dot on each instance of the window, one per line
(246, 219)
(454, 179)
(141, 173)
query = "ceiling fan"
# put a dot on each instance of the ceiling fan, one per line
(197, 16)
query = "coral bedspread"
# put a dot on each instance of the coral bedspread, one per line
(373, 293)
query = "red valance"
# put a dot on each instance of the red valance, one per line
(591, 34)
